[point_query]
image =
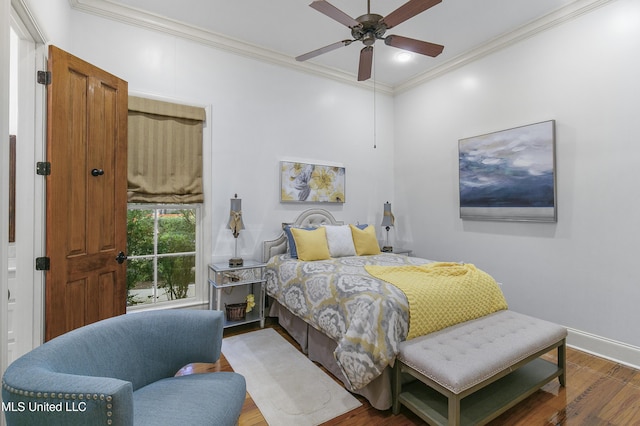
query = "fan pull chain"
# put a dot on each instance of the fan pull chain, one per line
(374, 102)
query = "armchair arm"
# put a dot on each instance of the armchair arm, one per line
(39, 396)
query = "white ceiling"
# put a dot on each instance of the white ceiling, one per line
(291, 28)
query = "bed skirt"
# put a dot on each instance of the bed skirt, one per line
(320, 348)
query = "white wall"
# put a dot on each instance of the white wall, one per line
(579, 272)
(53, 16)
(261, 114)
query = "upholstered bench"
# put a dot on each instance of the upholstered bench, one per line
(472, 372)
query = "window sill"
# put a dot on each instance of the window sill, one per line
(189, 304)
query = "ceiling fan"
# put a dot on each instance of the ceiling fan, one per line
(371, 27)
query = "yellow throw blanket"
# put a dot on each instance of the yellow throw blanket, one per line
(442, 294)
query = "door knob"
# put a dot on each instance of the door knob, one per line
(121, 257)
(97, 172)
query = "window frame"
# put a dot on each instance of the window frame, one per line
(201, 290)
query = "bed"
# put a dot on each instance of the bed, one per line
(342, 316)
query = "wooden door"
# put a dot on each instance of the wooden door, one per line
(86, 194)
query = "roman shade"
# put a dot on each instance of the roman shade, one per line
(165, 152)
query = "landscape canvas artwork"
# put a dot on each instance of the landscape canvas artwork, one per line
(509, 175)
(314, 183)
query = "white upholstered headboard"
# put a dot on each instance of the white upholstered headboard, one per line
(308, 218)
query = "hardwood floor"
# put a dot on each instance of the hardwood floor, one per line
(598, 392)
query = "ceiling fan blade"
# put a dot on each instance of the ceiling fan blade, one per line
(417, 46)
(366, 62)
(334, 13)
(322, 50)
(407, 10)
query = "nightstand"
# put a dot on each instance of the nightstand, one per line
(399, 250)
(232, 284)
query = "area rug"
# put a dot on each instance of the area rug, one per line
(286, 386)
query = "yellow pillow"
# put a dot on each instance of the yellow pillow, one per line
(311, 244)
(365, 240)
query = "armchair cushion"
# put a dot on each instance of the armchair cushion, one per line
(220, 398)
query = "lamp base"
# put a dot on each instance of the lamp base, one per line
(387, 249)
(235, 261)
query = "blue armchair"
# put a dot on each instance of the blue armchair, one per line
(121, 371)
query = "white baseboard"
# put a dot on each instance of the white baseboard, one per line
(606, 348)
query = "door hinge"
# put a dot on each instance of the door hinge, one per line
(43, 263)
(44, 77)
(43, 168)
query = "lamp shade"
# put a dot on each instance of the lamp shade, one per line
(387, 216)
(235, 216)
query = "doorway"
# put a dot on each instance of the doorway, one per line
(26, 111)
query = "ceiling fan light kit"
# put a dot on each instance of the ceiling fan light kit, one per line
(371, 27)
(403, 56)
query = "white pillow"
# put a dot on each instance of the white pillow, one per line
(340, 241)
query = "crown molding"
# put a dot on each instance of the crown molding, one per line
(140, 18)
(137, 17)
(551, 20)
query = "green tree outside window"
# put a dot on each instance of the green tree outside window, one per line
(161, 248)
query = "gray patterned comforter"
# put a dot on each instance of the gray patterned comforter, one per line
(367, 317)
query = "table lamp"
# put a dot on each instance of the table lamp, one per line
(387, 221)
(235, 224)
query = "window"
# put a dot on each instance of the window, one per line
(162, 253)
(165, 194)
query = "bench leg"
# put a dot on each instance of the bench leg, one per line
(562, 362)
(396, 387)
(454, 410)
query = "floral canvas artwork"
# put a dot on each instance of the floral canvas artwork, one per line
(509, 175)
(302, 182)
